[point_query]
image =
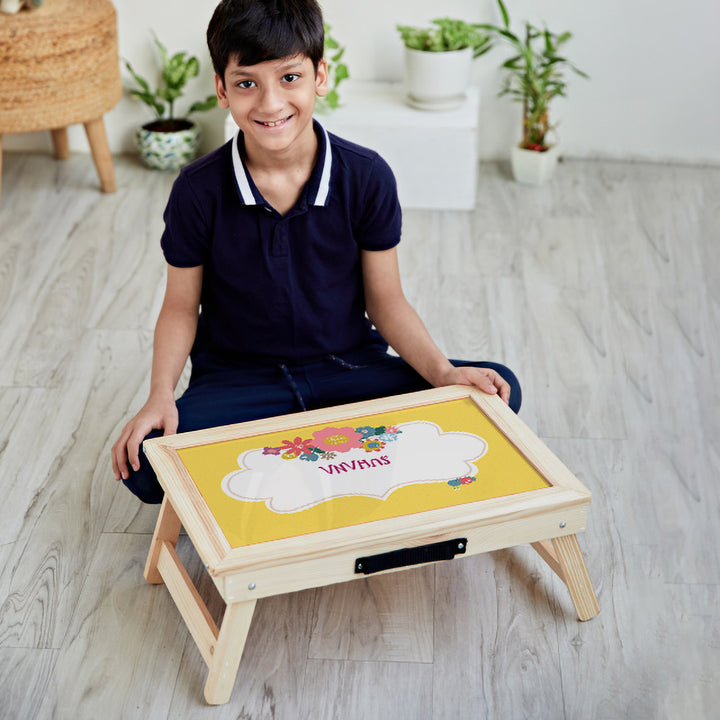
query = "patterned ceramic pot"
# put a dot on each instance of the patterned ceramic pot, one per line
(162, 148)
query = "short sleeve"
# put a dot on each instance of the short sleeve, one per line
(185, 240)
(380, 222)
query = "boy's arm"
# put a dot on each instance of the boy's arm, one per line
(402, 328)
(174, 335)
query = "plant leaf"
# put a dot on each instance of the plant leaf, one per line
(208, 103)
(504, 13)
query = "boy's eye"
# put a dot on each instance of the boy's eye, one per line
(246, 84)
(290, 77)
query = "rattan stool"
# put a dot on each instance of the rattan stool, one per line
(60, 67)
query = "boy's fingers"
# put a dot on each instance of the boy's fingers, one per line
(489, 384)
(170, 427)
(505, 393)
(133, 452)
(119, 465)
(116, 469)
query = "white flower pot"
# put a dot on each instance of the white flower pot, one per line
(532, 167)
(162, 150)
(10, 6)
(437, 80)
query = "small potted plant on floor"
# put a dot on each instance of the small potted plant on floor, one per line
(535, 74)
(438, 61)
(169, 142)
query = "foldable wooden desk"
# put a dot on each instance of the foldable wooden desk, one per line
(315, 498)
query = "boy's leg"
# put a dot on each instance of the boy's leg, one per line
(364, 375)
(224, 397)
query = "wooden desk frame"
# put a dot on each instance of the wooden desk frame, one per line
(548, 519)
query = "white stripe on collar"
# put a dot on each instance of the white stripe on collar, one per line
(244, 185)
(324, 188)
(240, 176)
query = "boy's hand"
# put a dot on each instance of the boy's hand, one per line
(155, 415)
(486, 379)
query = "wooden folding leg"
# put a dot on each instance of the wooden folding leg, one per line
(167, 529)
(564, 556)
(228, 651)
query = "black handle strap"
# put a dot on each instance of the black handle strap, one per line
(445, 550)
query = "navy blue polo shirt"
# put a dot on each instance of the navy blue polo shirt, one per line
(281, 287)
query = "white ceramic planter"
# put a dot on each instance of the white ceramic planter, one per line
(167, 150)
(531, 167)
(437, 80)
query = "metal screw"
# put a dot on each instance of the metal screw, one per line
(460, 546)
(562, 524)
(207, 565)
(252, 586)
(359, 566)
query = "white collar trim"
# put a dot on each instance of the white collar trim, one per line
(244, 184)
(241, 173)
(324, 188)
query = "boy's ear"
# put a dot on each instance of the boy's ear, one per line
(321, 79)
(221, 94)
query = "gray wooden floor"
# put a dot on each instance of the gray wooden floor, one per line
(602, 291)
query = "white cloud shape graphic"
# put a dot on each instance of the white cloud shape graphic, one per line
(422, 453)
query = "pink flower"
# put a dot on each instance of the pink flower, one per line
(332, 439)
(297, 446)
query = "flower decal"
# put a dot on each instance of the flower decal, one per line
(332, 439)
(373, 444)
(325, 444)
(366, 431)
(458, 482)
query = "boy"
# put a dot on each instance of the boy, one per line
(278, 244)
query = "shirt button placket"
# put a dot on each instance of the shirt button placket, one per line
(280, 240)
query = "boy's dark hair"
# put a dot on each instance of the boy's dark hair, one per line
(252, 31)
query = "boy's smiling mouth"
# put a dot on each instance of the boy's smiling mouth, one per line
(274, 123)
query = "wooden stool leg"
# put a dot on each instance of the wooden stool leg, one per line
(228, 651)
(576, 576)
(167, 529)
(61, 144)
(95, 131)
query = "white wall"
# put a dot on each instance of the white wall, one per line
(654, 91)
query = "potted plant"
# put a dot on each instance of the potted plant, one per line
(438, 61)
(169, 142)
(337, 72)
(12, 6)
(535, 75)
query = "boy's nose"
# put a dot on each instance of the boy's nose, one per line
(271, 101)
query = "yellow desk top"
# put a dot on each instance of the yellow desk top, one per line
(319, 477)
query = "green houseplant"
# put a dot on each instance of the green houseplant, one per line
(337, 72)
(438, 60)
(169, 141)
(535, 75)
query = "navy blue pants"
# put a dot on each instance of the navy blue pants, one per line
(219, 395)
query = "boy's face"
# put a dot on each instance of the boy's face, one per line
(273, 102)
